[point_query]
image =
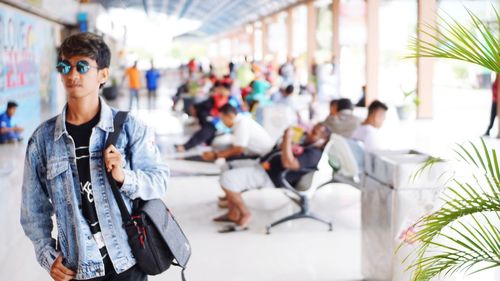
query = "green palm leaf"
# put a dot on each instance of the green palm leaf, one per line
(452, 40)
(463, 235)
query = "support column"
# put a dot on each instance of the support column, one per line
(252, 41)
(498, 103)
(336, 32)
(372, 50)
(265, 37)
(232, 47)
(427, 14)
(274, 54)
(289, 33)
(311, 36)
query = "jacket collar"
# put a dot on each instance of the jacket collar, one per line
(105, 121)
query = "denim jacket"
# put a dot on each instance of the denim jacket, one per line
(51, 186)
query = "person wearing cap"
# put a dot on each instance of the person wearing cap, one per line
(9, 132)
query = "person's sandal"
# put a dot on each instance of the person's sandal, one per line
(232, 228)
(223, 218)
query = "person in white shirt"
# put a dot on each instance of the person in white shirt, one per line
(249, 138)
(368, 132)
(286, 98)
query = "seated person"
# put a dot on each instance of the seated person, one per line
(368, 132)
(286, 98)
(249, 138)
(267, 172)
(343, 122)
(9, 132)
(334, 107)
(258, 93)
(207, 113)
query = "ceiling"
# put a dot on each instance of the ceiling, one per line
(216, 16)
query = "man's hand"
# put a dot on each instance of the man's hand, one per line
(209, 156)
(59, 272)
(288, 135)
(113, 163)
(18, 129)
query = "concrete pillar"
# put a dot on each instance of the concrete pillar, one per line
(289, 32)
(498, 110)
(372, 50)
(252, 41)
(265, 38)
(427, 14)
(311, 35)
(336, 31)
(273, 53)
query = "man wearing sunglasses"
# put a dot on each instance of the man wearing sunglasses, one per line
(65, 174)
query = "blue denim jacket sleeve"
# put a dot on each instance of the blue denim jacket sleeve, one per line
(147, 176)
(36, 209)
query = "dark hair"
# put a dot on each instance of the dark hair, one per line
(228, 109)
(86, 44)
(376, 105)
(11, 104)
(289, 89)
(334, 102)
(344, 104)
(222, 83)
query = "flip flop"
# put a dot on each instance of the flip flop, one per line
(223, 218)
(232, 228)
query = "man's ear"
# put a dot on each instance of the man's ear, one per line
(103, 75)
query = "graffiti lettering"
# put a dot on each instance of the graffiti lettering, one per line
(18, 66)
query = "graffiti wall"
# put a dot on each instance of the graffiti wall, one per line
(27, 59)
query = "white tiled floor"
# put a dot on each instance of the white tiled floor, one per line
(297, 251)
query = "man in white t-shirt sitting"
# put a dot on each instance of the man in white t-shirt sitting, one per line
(249, 138)
(368, 132)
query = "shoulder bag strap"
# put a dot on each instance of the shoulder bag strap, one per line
(112, 138)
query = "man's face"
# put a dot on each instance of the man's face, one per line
(79, 85)
(316, 134)
(228, 119)
(379, 118)
(333, 109)
(11, 111)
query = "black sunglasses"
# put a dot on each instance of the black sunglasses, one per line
(64, 67)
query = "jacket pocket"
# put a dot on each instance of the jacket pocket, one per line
(56, 167)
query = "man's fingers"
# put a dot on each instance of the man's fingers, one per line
(60, 272)
(111, 163)
(66, 270)
(57, 275)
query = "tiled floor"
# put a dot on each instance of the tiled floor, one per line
(297, 251)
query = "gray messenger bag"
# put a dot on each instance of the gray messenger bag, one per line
(154, 235)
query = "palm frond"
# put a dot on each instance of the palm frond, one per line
(451, 39)
(463, 234)
(426, 165)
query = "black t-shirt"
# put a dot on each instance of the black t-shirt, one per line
(81, 137)
(308, 159)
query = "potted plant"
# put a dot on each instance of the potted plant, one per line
(410, 103)
(464, 234)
